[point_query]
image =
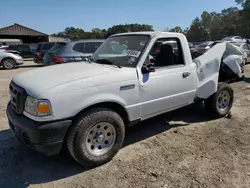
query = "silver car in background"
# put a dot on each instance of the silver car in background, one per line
(234, 39)
(9, 60)
(245, 48)
(74, 51)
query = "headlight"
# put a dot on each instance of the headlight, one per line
(37, 107)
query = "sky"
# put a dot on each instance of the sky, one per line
(52, 16)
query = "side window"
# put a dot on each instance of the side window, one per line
(166, 52)
(13, 47)
(238, 38)
(91, 47)
(24, 48)
(48, 46)
(78, 47)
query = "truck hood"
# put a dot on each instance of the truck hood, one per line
(38, 80)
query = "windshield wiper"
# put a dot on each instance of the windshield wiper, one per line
(107, 61)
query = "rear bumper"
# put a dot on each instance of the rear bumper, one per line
(44, 137)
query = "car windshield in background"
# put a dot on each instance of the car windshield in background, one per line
(122, 50)
(57, 46)
(205, 44)
(227, 39)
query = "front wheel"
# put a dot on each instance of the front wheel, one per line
(220, 103)
(9, 63)
(96, 137)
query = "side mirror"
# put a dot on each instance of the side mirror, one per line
(147, 68)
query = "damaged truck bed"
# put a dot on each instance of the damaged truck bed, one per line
(223, 62)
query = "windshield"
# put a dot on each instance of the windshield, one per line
(57, 46)
(123, 50)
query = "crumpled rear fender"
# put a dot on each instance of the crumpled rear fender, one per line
(209, 66)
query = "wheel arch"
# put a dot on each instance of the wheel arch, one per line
(112, 105)
(1, 62)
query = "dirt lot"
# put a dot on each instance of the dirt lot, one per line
(181, 149)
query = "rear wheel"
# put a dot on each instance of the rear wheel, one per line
(220, 103)
(96, 137)
(8, 63)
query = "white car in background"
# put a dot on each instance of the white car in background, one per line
(245, 48)
(9, 60)
(234, 39)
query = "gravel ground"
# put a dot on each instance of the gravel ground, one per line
(184, 148)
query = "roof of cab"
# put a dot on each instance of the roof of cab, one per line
(150, 33)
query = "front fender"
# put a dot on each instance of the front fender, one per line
(100, 98)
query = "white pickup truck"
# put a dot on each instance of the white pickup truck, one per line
(130, 78)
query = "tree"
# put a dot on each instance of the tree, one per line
(209, 26)
(245, 17)
(77, 33)
(196, 31)
(176, 29)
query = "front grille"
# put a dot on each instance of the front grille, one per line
(17, 97)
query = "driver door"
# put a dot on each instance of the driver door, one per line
(171, 86)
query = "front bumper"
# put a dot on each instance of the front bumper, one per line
(44, 137)
(19, 61)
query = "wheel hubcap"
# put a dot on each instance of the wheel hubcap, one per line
(223, 100)
(9, 63)
(100, 139)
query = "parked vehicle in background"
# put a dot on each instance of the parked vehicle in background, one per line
(42, 49)
(191, 47)
(9, 60)
(10, 41)
(75, 51)
(4, 48)
(33, 48)
(234, 39)
(245, 47)
(193, 51)
(87, 106)
(23, 49)
(203, 47)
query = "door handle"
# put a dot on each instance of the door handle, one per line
(185, 74)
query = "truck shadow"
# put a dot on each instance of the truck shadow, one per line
(21, 167)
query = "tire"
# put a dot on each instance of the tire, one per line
(84, 142)
(220, 103)
(8, 63)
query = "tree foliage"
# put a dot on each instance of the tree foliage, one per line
(209, 26)
(215, 26)
(96, 33)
